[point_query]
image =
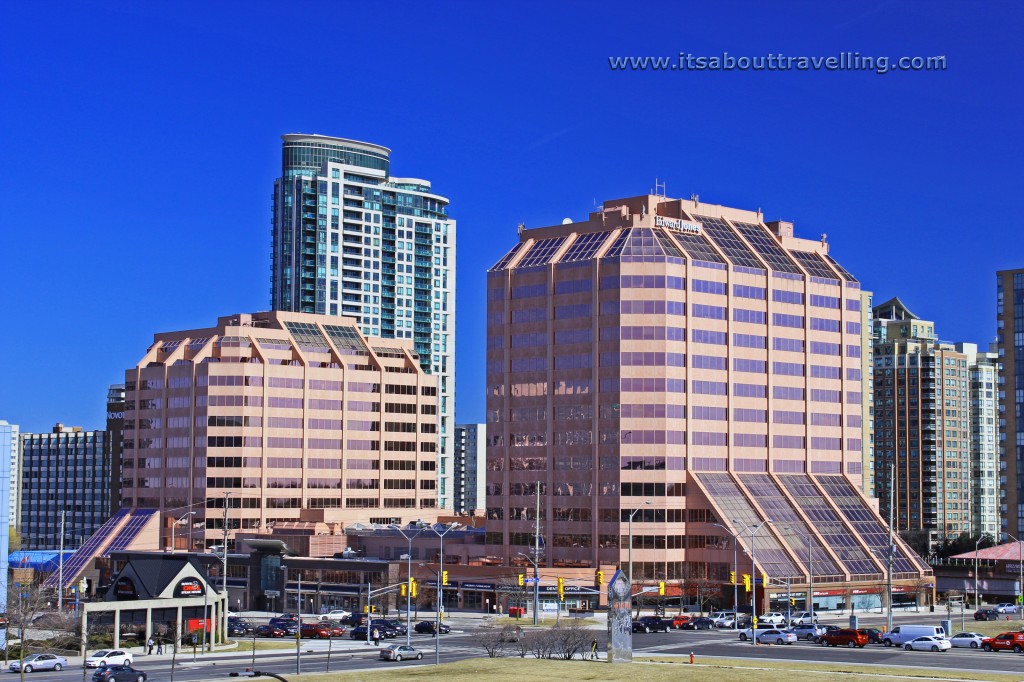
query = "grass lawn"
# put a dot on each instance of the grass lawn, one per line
(643, 670)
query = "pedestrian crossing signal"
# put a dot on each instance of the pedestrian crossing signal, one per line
(661, 588)
(792, 601)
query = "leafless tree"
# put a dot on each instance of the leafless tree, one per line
(539, 643)
(703, 590)
(492, 642)
(510, 590)
(569, 640)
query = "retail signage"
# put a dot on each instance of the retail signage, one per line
(478, 586)
(189, 587)
(124, 588)
(678, 225)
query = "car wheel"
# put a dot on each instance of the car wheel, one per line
(779, 641)
(907, 647)
(986, 647)
(419, 657)
(887, 642)
(823, 643)
(647, 630)
(28, 668)
(934, 647)
(398, 657)
(974, 645)
(851, 644)
(1016, 648)
(57, 667)
(743, 637)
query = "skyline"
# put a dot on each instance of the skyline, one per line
(138, 200)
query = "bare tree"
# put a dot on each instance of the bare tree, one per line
(703, 590)
(569, 640)
(509, 589)
(492, 642)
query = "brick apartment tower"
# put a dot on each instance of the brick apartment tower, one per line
(690, 365)
(283, 417)
(1010, 344)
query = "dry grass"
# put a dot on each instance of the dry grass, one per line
(644, 670)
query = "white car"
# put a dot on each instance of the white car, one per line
(108, 657)
(771, 619)
(803, 618)
(967, 639)
(337, 614)
(1006, 607)
(928, 643)
(769, 636)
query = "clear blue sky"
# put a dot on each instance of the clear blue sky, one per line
(141, 141)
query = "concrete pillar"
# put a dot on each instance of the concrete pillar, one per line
(85, 630)
(117, 628)
(149, 627)
(178, 632)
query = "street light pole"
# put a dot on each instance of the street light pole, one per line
(753, 581)
(631, 515)
(976, 601)
(408, 579)
(536, 585)
(735, 585)
(437, 529)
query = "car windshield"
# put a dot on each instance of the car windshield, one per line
(32, 657)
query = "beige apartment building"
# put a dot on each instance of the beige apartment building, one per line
(278, 418)
(694, 369)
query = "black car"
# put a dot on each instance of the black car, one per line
(118, 673)
(287, 624)
(353, 619)
(986, 614)
(384, 631)
(699, 624)
(240, 626)
(874, 635)
(426, 627)
(399, 627)
(652, 624)
(270, 631)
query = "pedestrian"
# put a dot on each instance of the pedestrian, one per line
(433, 630)
(149, 646)
(593, 649)
(160, 647)
(376, 637)
(499, 608)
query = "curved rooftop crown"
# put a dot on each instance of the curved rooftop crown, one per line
(306, 154)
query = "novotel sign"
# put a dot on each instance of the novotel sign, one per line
(677, 224)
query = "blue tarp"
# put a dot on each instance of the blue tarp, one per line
(45, 561)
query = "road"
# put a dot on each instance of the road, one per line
(462, 643)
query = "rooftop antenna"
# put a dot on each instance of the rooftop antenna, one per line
(695, 198)
(521, 227)
(659, 188)
(760, 216)
(824, 238)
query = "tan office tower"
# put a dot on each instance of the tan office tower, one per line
(280, 417)
(690, 367)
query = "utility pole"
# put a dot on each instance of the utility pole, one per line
(892, 483)
(536, 559)
(224, 577)
(60, 566)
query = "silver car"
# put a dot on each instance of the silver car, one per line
(769, 636)
(35, 662)
(398, 652)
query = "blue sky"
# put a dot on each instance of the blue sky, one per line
(141, 141)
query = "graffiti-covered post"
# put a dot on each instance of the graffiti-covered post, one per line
(620, 619)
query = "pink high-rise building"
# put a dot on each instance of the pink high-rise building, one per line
(283, 417)
(686, 365)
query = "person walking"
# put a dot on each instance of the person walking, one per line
(149, 646)
(593, 649)
(160, 647)
(376, 637)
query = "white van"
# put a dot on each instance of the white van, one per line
(901, 634)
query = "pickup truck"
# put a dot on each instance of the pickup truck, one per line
(651, 624)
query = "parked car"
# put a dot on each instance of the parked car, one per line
(804, 617)
(721, 617)
(743, 622)
(426, 627)
(928, 643)
(108, 657)
(698, 624)
(651, 624)
(769, 636)
(336, 628)
(848, 638)
(771, 619)
(972, 640)
(1006, 607)
(397, 652)
(336, 614)
(40, 662)
(398, 626)
(986, 614)
(1006, 641)
(874, 635)
(353, 619)
(807, 631)
(679, 621)
(315, 630)
(270, 631)
(118, 673)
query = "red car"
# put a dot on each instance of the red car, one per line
(849, 638)
(1006, 641)
(315, 630)
(337, 629)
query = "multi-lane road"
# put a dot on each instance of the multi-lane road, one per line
(462, 643)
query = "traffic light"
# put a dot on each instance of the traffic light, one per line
(404, 591)
(520, 579)
(600, 577)
(732, 577)
(764, 579)
(746, 581)
(561, 588)
(661, 588)
(792, 601)
(412, 587)
(366, 609)
(444, 577)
